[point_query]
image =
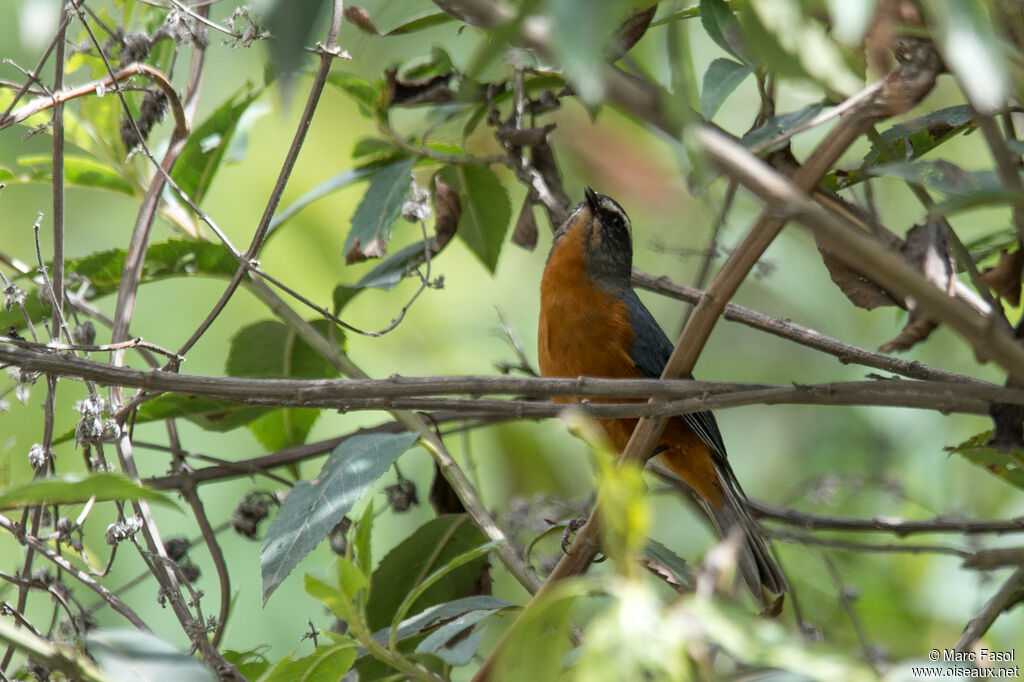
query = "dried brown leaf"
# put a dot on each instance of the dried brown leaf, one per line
(523, 137)
(376, 248)
(861, 291)
(447, 211)
(1004, 278)
(918, 329)
(408, 92)
(525, 234)
(360, 18)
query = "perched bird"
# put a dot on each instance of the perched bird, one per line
(593, 324)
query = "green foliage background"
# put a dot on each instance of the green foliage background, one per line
(849, 461)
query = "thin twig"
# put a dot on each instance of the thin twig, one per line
(882, 524)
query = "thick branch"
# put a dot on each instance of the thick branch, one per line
(397, 392)
(866, 255)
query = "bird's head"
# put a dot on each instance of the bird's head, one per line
(601, 230)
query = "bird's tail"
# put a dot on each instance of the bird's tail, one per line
(754, 561)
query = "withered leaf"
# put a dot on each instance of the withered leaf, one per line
(447, 211)
(411, 91)
(360, 18)
(918, 329)
(525, 234)
(861, 291)
(1008, 431)
(631, 31)
(544, 161)
(1004, 278)
(927, 249)
(375, 248)
(523, 137)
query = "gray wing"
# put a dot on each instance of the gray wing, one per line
(651, 351)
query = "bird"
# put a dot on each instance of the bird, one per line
(592, 323)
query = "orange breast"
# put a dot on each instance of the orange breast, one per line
(584, 331)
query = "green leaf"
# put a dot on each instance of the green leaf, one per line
(722, 77)
(314, 507)
(79, 171)
(667, 559)
(173, 258)
(376, 214)
(389, 272)
(219, 416)
(972, 50)
(944, 177)
(758, 139)
(128, 654)
(363, 535)
(250, 663)
(907, 141)
(270, 349)
(327, 662)
(292, 23)
(333, 184)
(208, 144)
(370, 98)
(720, 24)
(432, 615)
(430, 580)
(463, 650)
(486, 210)
(782, 28)
(583, 31)
(419, 22)
(431, 545)
(1008, 466)
(77, 488)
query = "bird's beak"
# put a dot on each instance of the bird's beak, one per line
(592, 200)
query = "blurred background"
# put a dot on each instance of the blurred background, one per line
(849, 461)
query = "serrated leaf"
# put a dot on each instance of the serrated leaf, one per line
(376, 214)
(208, 144)
(486, 210)
(1008, 466)
(128, 654)
(79, 171)
(314, 507)
(907, 141)
(431, 545)
(270, 349)
(77, 488)
(722, 77)
(667, 559)
(173, 258)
